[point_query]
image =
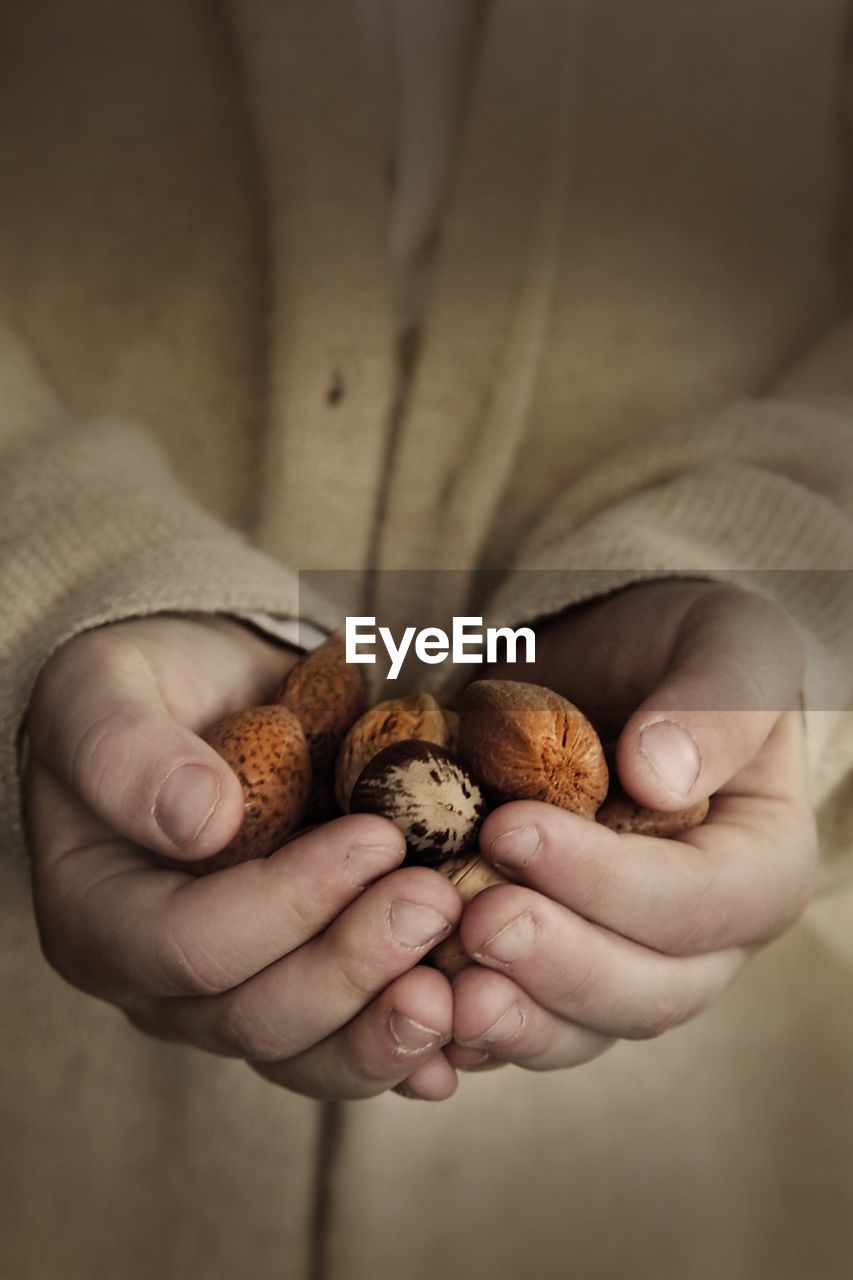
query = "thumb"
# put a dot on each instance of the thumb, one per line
(736, 665)
(147, 777)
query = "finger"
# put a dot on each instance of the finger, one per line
(471, 1060)
(107, 734)
(737, 665)
(586, 974)
(494, 1017)
(741, 878)
(435, 1081)
(308, 995)
(397, 1037)
(113, 924)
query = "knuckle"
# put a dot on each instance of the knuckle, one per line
(356, 972)
(700, 922)
(580, 990)
(94, 753)
(307, 910)
(374, 1075)
(83, 658)
(660, 1017)
(594, 887)
(253, 1034)
(188, 966)
(104, 763)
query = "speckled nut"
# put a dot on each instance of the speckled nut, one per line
(525, 742)
(327, 695)
(471, 875)
(620, 813)
(267, 749)
(418, 716)
(428, 794)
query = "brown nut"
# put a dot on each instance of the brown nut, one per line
(452, 721)
(267, 749)
(620, 813)
(327, 695)
(428, 793)
(471, 875)
(394, 720)
(525, 742)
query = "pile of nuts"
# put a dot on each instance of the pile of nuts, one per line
(318, 752)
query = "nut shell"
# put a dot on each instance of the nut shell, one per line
(471, 875)
(267, 749)
(327, 695)
(451, 718)
(394, 720)
(525, 742)
(428, 794)
(620, 813)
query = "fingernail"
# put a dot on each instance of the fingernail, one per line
(410, 1036)
(513, 942)
(673, 755)
(414, 925)
(366, 862)
(186, 801)
(515, 848)
(508, 1024)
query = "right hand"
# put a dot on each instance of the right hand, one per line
(304, 963)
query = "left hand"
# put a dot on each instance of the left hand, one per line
(607, 936)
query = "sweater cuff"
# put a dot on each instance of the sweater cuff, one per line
(761, 500)
(100, 531)
(290, 631)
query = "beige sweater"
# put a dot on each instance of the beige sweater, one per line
(635, 356)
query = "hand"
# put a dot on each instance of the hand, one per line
(302, 963)
(610, 936)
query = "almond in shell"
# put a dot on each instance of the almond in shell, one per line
(326, 693)
(394, 720)
(471, 874)
(525, 742)
(267, 749)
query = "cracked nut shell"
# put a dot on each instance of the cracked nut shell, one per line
(267, 749)
(428, 794)
(620, 813)
(394, 720)
(525, 742)
(471, 875)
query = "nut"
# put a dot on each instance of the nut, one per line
(419, 716)
(428, 794)
(471, 875)
(326, 693)
(267, 749)
(620, 813)
(452, 721)
(525, 742)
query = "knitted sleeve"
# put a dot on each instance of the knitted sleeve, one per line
(760, 493)
(96, 528)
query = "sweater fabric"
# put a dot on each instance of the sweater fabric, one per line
(311, 308)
